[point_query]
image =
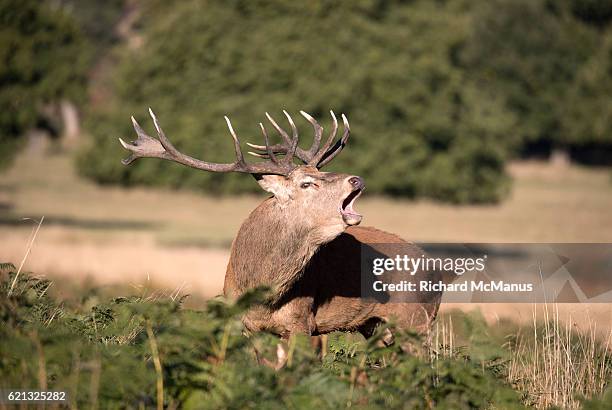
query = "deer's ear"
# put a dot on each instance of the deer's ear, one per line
(275, 184)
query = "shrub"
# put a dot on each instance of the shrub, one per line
(105, 352)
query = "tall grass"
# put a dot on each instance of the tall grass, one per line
(552, 362)
(557, 363)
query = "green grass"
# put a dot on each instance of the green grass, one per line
(148, 350)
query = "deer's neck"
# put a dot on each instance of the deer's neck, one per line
(272, 248)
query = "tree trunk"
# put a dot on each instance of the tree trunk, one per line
(560, 157)
(70, 122)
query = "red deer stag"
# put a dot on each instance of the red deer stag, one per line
(303, 242)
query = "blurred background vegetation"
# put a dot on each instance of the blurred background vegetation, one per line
(439, 94)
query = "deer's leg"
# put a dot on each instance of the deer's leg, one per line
(409, 316)
(261, 319)
(370, 326)
(319, 345)
(294, 317)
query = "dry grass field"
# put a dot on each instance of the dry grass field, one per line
(176, 239)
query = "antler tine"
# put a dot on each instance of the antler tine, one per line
(146, 146)
(321, 152)
(277, 148)
(294, 141)
(160, 133)
(134, 146)
(338, 146)
(318, 132)
(139, 131)
(269, 152)
(315, 155)
(289, 147)
(292, 124)
(239, 156)
(281, 131)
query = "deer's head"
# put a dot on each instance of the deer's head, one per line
(323, 199)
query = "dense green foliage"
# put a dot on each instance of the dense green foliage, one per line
(531, 53)
(551, 61)
(587, 117)
(420, 126)
(100, 350)
(43, 58)
(96, 20)
(439, 93)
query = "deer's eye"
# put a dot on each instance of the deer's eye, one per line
(305, 185)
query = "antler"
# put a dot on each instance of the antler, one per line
(315, 156)
(160, 147)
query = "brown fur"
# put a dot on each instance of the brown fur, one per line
(298, 244)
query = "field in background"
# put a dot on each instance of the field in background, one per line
(180, 240)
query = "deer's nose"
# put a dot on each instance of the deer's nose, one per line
(356, 182)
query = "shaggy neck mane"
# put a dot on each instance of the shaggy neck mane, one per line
(272, 248)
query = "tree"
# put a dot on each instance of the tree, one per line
(587, 113)
(421, 127)
(43, 59)
(536, 54)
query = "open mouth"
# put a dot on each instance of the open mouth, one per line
(349, 215)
